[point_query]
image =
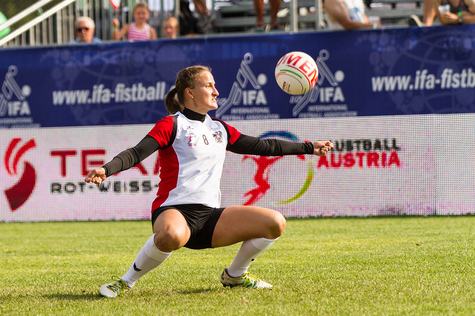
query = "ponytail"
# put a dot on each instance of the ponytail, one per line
(171, 103)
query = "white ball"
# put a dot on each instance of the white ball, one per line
(296, 73)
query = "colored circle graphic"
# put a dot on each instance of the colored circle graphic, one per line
(310, 172)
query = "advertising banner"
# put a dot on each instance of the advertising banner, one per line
(397, 103)
(413, 164)
(361, 73)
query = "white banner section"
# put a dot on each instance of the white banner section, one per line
(414, 165)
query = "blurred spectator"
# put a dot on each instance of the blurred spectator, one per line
(139, 30)
(347, 15)
(170, 28)
(188, 22)
(449, 11)
(192, 25)
(84, 29)
(274, 9)
(206, 17)
(428, 12)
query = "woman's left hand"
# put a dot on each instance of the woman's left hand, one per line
(322, 147)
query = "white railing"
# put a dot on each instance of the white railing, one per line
(38, 30)
(56, 24)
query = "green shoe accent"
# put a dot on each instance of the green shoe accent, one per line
(114, 289)
(245, 280)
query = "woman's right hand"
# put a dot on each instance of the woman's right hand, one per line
(96, 176)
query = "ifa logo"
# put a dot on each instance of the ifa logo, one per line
(20, 192)
(247, 90)
(13, 101)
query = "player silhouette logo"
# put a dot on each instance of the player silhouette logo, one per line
(264, 164)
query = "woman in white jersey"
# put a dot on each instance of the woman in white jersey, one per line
(186, 211)
(139, 30)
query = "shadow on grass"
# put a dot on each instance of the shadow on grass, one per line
(75, 297)
(59, 297)
(94, 296)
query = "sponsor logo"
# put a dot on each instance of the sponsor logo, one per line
(90, 158)
(247, 99)
(20, 192)
(347, 154)
(261, 177)
(218, 137)
(136, 269)
(14, 108)
(362, 153)
(192, 139)
(323, 100)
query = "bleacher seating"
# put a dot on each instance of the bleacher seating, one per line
(233, 16)
(394, 13)
(240, 17)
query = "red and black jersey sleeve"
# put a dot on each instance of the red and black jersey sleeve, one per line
(161, 136)
(248, 145)
(164, 131)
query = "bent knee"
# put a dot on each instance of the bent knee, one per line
(278, 225)
(169, 240)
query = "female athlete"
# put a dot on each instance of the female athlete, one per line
(186, 211)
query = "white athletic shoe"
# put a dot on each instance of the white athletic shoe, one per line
(245, 280)
(114, 289)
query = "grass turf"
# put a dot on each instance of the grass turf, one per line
(335, 266)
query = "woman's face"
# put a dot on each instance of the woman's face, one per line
(203, 96)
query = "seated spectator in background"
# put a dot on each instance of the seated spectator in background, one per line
(449, 11)
(170, 28)
(428, 12)
(274, 9)
(347, 15)
(84, 29)
(206, 16)
(139, 30)
(191, 25)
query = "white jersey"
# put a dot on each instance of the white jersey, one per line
(192, 148)
(191, 167)
(355, 9)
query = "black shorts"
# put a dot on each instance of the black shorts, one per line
(201, 220)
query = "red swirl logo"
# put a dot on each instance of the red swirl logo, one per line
(19, 193)
(264, 165)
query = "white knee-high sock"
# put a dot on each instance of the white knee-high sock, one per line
(148, 258)
(249, 251)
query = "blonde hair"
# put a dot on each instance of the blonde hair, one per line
(186, 78)
(141, 5)
(173, 22)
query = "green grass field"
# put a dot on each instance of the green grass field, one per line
(336, 266)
